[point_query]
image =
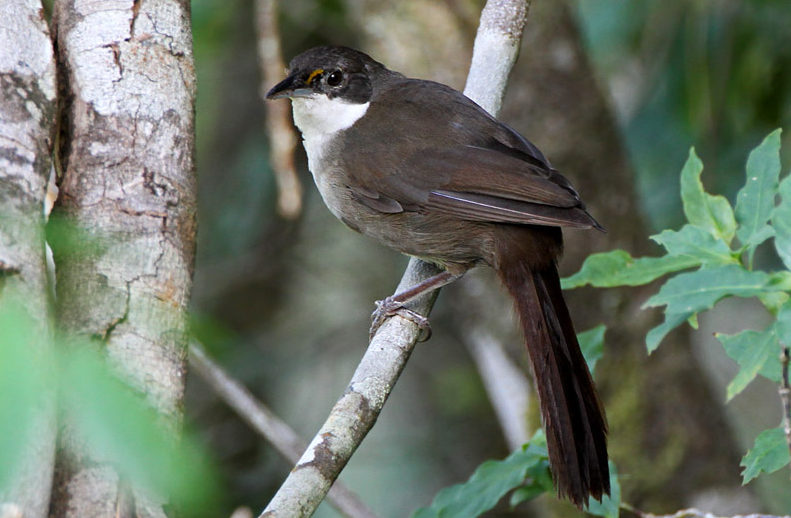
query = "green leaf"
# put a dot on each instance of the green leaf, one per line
(781, 221)
(490, 482)
(711, 213)
(755, 352)
(695, 291)
(618, 268)
(756, 200)
(22, 382)
(696, 243)
(688, 293)
(122, 429)
(592, 345)
(609, 507)
(769, 454)
(783, 324)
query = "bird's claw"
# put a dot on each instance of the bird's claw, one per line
(388, 307)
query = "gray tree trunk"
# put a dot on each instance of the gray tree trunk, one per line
(129, 185)
(27, 108)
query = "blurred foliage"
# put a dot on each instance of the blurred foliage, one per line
(100, 409)
(716, 74)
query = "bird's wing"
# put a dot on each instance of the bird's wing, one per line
(476, 184)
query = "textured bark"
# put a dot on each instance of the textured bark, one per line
(27, 108)
(129, 192)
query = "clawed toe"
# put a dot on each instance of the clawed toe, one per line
(387, 308)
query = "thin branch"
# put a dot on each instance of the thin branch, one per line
(785, 396)
(272, 428)
(356, 411)
(282, 137)
(696, 513)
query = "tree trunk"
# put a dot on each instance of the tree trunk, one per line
(128, 194)
(27, 108)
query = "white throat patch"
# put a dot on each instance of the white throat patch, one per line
(320, 116)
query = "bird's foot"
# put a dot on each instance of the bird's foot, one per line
(388, 307)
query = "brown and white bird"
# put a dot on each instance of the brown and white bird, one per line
(424, 170)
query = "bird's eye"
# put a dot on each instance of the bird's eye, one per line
(335, 78)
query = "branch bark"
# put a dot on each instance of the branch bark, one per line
(282, 136)
(27, 109)
(129, 187)
(355, 413)
(272, 428)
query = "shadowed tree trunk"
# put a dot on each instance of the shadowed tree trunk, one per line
(128, 195)
(27, 108)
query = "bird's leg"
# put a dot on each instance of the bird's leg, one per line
(394, 304)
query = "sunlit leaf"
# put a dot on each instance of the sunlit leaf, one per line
(618, 268)
(756, 200)
(755, 352)
(769, 454)
(695, 242)
(711, 213)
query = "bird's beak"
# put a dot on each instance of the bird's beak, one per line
(292, 86)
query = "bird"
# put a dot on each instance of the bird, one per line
(424, 170)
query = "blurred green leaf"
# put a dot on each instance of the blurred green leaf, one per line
(769, 454)
(756, 200)
(22, 381)
(783, 324)
(696, 243)
(755, 352)
(618, 268)
(781, 221)
(711, 213)
(609, 507)
(592, 345)
(490, 482)
(122, 429)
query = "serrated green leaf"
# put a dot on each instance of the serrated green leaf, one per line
(783, 324)
(592, 345)
(618, 268)
(490, 482)
(755, 352)
(695, 242)
(781, 221)
(769, 454)
(695, 291)
(691, 292)
(655, 336)
(756, 200)
(711, 213)
(609, 507)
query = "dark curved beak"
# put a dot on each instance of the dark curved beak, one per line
(292, 86)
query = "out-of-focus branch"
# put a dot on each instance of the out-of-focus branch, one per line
(356, 411)
(272, 428)
(282, 138)
(696, 513)
(785, 396)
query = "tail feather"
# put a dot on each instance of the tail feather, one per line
(573, 417)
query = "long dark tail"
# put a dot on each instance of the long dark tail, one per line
(573, 417)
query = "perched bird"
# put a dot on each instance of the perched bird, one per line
(424, 170)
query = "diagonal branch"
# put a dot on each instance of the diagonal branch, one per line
(272, 428)
(496, 47)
